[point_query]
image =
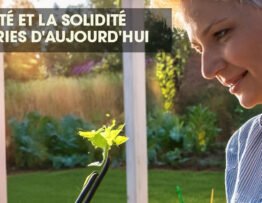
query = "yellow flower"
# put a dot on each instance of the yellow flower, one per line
(201, 138)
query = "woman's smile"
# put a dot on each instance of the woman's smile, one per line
(233, 82)
(235, 85)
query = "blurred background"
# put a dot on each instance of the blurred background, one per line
(49, 96)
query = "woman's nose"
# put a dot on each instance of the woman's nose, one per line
(211, 64)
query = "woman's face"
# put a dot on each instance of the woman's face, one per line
(229, 37)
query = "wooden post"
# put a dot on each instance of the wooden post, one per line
(135, 118)
(3, 190)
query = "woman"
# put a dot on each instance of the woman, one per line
(228, 35)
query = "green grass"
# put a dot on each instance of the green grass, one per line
(64, 186)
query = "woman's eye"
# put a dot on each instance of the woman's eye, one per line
(220, 34)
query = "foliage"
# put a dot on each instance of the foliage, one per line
(201, 128)
(180, 50)
(29, 66)
(165, 133)
(161, 35)
(170, 68)
(175, 139)
(104, 138)
(241, 115)
(69, 161)
(111, 62)
(42, 140)
(165, 75)
(61, 64)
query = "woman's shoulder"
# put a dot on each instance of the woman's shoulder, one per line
(253, 123)
(243, 161)
(240, 136)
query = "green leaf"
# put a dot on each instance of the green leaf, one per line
(120, 140)
(109, 134)
(113, 125)
(113, 134)
(90, 134)
(119, 129)
(87, 134)
(99, 141)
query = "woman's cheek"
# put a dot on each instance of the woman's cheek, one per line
(235, 54)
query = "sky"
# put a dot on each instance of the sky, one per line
(50, 3)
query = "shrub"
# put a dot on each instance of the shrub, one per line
(201, 128)
(165, 133)
(41, 141)
(177, 139)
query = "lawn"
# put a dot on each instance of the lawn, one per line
(64, 186)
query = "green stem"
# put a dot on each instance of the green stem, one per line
(105, 156)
